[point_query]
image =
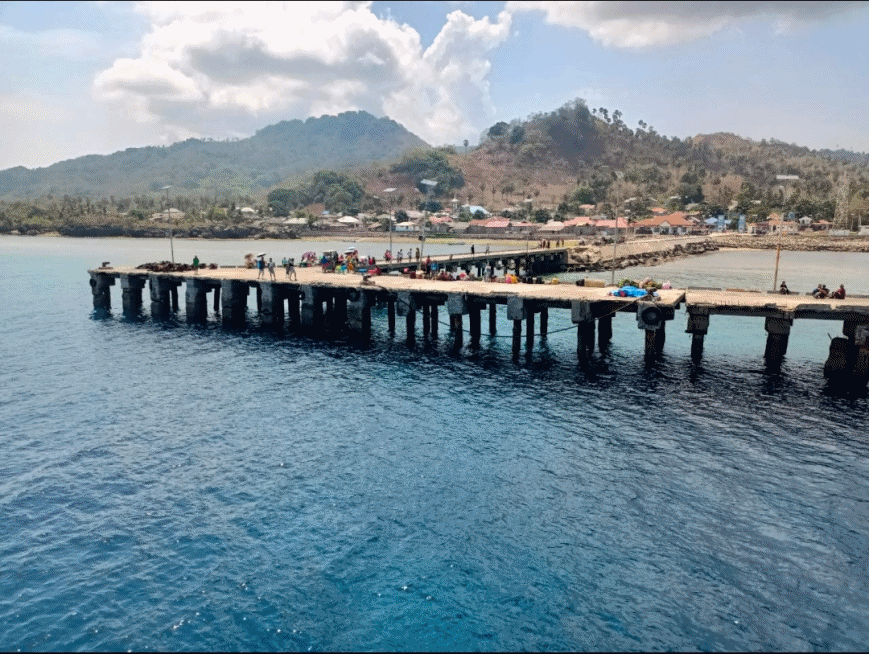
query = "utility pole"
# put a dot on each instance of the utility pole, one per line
(169, 220)
(389, 191)
(429, 184)
(781, 225)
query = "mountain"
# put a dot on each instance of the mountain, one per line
(203, 167)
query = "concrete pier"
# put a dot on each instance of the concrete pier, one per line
(348, 301)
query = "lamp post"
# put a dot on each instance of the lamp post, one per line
(389, 191)
(781, 224)
(615, 232)
(169, 220)
(429, 184)
(528, 202)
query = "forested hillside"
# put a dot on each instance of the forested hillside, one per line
(555, 164)
(195, 167)
(576, 155)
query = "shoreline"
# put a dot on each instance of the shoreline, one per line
(729, 242)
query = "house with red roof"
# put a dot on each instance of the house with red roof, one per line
(605, 226)
(582, 225)
(495, 225)
(673, 223)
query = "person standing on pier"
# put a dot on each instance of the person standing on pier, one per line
(195, 264)
(272, 268)
(472, 248)
(291, 269)
(261, 267)
(417, 255)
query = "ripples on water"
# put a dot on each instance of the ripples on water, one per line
(166, 486)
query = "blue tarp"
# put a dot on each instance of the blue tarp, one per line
(629, 291)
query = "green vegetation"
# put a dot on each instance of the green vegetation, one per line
(430, 164)
(235, 167)
(339, 193)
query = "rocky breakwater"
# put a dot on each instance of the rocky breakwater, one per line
(803, 242)
(644, 252)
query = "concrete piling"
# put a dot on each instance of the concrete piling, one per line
(293, 314)
(517, 312)
(311, 318)
(196, 296)
(529, 329)
(698, 326)
(390, 314)
(778, 332)
(159, 288)
(544, 321)
(493, 318)
(131, 293)
(233, 300)
(410, 323)
(457, 306)
(358, 308)
(339, 315)
(582, 315)
(271, 301)
(604, 331)
(426, 323)
(474, 323)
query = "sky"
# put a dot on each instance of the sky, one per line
(81, 78)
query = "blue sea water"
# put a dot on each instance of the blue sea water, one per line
(175, 487)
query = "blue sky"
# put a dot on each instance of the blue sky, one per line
(82, 78)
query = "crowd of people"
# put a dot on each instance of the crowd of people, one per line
(823, 292)
(820, 292)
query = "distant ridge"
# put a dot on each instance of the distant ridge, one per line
(202, 166)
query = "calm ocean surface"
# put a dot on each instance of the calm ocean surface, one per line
(175, 487)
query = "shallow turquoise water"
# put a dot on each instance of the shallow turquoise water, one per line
(166, 486)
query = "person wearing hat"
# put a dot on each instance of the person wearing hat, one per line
(783, 289)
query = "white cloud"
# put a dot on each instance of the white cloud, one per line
(640, 24)
(216, 68)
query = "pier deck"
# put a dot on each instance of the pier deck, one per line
(327, 303)
(748, 303)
